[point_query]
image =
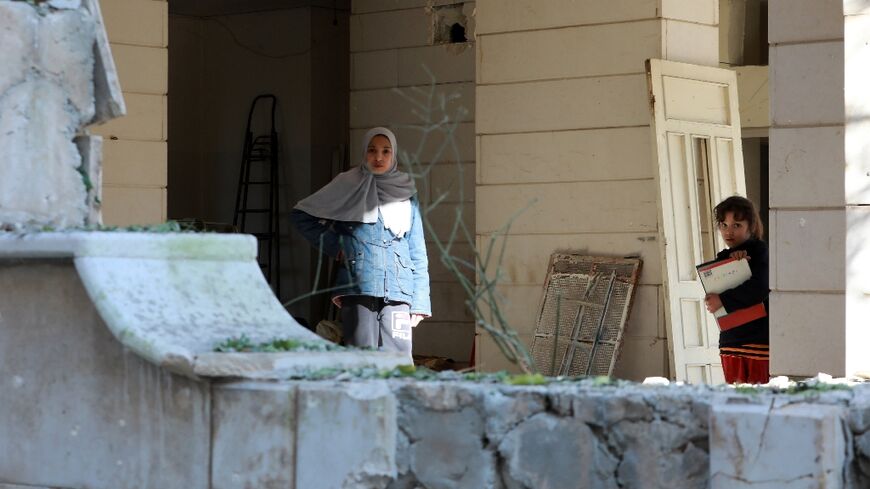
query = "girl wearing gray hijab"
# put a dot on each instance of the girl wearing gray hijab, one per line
(368, 219)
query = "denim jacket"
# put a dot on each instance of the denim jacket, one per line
(375, 261)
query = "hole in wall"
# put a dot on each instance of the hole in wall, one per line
(457, 33)
(449, 24)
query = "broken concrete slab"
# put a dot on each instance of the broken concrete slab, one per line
(40, 183)
(66, 57)
(241, 459)
(18, 25)
(91, 149)
(352, 423)
(108, 96)
(765, 446)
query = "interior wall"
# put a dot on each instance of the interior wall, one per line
(134, 146)
(224, 54)
(391, 43)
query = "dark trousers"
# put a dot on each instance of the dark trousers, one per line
(372, 322)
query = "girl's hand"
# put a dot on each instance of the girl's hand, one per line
(713, 302)
(415, 319)
(740, 254)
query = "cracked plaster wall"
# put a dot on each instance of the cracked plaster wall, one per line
(47, 97)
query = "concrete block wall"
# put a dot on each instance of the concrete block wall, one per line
(134, 146)
(82, 410)
(818, 186)
(563, 121)
(390, 42)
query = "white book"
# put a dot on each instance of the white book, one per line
(722, 275)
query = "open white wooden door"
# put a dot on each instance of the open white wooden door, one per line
(696, 125)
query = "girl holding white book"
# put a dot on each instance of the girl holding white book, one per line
(743, 349)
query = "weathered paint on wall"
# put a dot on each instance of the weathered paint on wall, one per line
(563, 120)
(390, 43)
(134, 146)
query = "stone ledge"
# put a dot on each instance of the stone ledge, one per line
(172, 297)
(278, 366)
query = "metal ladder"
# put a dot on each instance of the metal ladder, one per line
(261, 152)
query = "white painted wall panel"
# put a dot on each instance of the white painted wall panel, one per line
(806, 167)
(818, 20)
(384, 107)
(490, 358)
(810, 245)
(567, 53)
(390, 29)
(608, 207)
(368, 6)
(124, 205)
(145, 119)
(374, 69)
(857, 95)
(807, 84)
(138, 22)
(772, 249)
(447, 63)
(438, 272)
(691, 43)
(448, 303)
(810, 339)
(409, 139)
(615, 101)
(452, 182)
(641, 358)
(527, 256)
(857, 288)
(856, 7)
(134, 163)
(142, 69)
(564, 156)
(754, 96)
(697, 11)
(444, 215)
(502, 16)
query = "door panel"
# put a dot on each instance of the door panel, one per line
(695, 123)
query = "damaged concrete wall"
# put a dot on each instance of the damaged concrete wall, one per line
(402, 434)
(77, 409)
(391, 43)
(46, 98)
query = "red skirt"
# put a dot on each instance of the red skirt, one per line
(745, 370)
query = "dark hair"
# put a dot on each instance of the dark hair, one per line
(743, 210)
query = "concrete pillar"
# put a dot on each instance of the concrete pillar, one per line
(563, 118)
(819, 186)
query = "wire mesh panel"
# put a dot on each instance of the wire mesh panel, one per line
(587, 301)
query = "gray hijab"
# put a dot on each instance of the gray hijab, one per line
(356, 194)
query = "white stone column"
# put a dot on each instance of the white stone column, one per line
(819, 185)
